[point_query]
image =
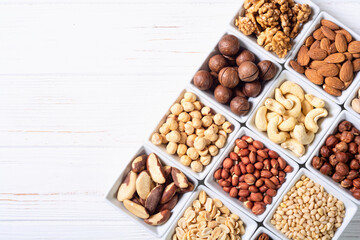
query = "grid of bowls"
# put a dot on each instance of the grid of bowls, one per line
(327, 125)
(212, 184)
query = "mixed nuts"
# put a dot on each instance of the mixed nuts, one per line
(252, 173)
(291, 119)
(150, 190)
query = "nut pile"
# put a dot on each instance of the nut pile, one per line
(339, 158)
(263, 236)
(307, 211)
(208, 218)
(252, 173)
(150, 191)
(355, 103)
(291, 118)
(274, 22)
(234, 75)
(329, 57)
(193, 132)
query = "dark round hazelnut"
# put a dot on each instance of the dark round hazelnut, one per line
(252, 89)
(355, 131)
(222, 94)
(342, 169)
(325, 151)
(239, 105)
(341, 157)
(267, 70)
(353, 148)
(357, 140)
(337, 177)
(341, 147)
(333, 161)
(353, 174)
(346, 136)
(344, 126)
(326, 169)
(217, 62)
(356, 182)
(203, 80)
(354, 164)
(346, 183)
(229, 45)
(331, 141)
(248, 71)
(317, 162)
(228, 77)
(244, 56)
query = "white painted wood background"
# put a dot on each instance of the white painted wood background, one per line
(82, 84)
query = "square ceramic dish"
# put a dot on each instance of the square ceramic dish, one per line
(344, 115)
(324, 123)
(160, 230)
(213, 185)
(261, 230)
(350, 207)
(353, 94)
(176, 160)
(250, 224)
(314, 26)
(253, 101)
(253, 40)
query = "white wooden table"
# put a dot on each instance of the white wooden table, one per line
(82, 84)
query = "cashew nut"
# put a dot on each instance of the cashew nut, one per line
(274, 106)
(301, 118)
(306, 106)
(312, 117)
(293, 145)
(273, 133)
(270, 115)
(260, 119)
(288, 124)
(299, 133)
(315, 101)
(293, 88)
(296, 110)
(287, 103)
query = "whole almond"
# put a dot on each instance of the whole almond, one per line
(297, 67)
(347, 84)
(303, 58)
(332, 91)
(317, 54)
(348, 56)
(329, 70)
(318, 34)
(314, 76)
(330, 34)
(316, 44)
(356, 55)
(329, 24)
(335, 58)
(356, 65)
(346, 34)
(309, 41)
(332, 48)
(347, 72)
(316, 64)
(354, 47)
(340, 42)
(334, 82)
(325, 44)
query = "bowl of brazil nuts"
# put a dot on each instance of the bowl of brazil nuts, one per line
(208, 216)
(310, 208)
(147, 191)
(251, 177)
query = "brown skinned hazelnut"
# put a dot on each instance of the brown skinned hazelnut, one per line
(353, 148)
(354, 164)
(356, 182)
(267, 70)
(333, 161)
(355, 131)
(248, 71)
(203, 80)
(331, 141)
(344, 126)
(346, 136)
(222, 94)
(229, 45)
(342, 169)
(317, 162)
(252, 89)
(217, 62)
(326, 169)
(239, 105)
(337, 177)
(357, 140)
(341, 157)
(325, 151)
(346, 183)
(341, 147)
(228, 77)
(244, 56)
(353, 174)
(356, 194)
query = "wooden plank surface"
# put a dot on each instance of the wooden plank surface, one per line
(82, 84)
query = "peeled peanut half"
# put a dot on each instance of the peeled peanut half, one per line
(159, 218)
(155, 168)
(144, 184)
(127, 187)
(136, 209)
(179, 178)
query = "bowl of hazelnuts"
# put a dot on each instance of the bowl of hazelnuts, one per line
(235, 77)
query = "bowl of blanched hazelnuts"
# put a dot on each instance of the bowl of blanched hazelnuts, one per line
(233, 75)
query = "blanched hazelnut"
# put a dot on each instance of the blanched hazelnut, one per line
(156, 139)
(197, 105)
(190, 140)
(164, 129)
(206, 111)
(219, 119)
(196, 114)
(196, 123)
(172, 123)
(163, 138)
(200, 143)
(196, 166)
(183, 137)
(207, 121)
(181, 150)
(200, 132)
(203, 152)
(184, 117)
(213, 128)
(185, 160)
(171, 148)
(172, 116)
(205, 160)
(188, 106)
(213, 150)
(192, 153)
(220, 142)
(190, 97)
(189, 129)
(222, 132)
(176, 109)
(228, 127)
(181, 126)
(173, 136)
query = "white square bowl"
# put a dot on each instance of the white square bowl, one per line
(344, 115)
(261, 230)
(260, 56)
(324, 123)
(250, 224)
(157, 231)
(212, 184)
(176, 160)
(350, 207)
(253, 40)
(314, 26)
(353, 94)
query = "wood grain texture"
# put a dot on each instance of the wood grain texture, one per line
(82, 84)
